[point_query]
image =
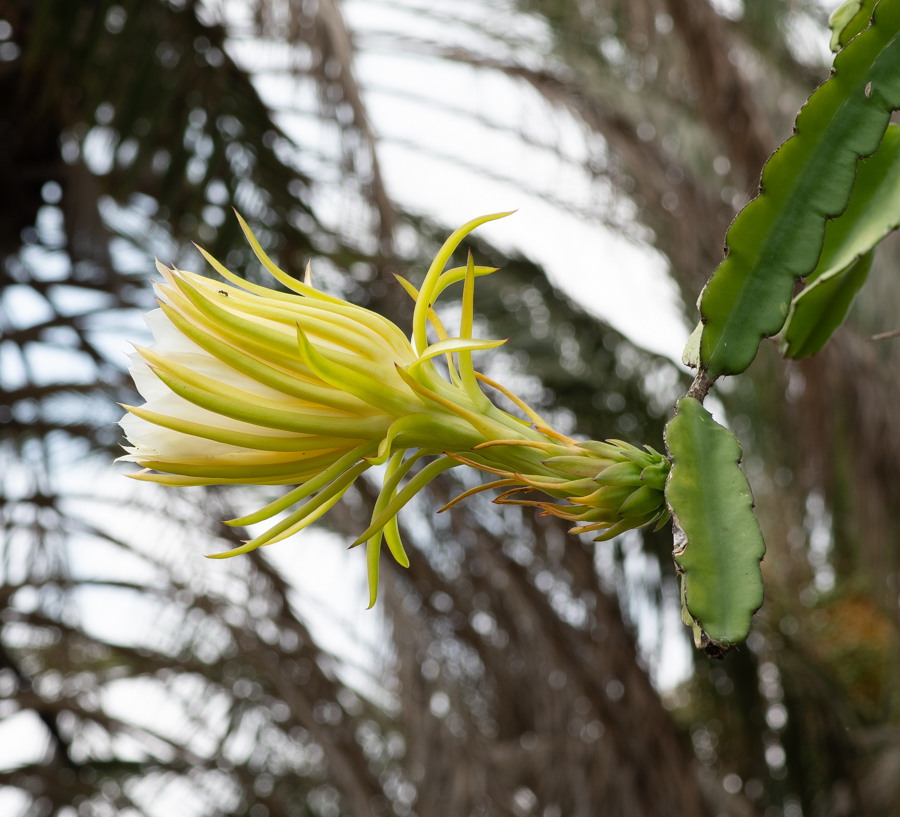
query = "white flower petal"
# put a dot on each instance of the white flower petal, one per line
(151, 440)
(149, 386)
(171, 344)
(166, 336)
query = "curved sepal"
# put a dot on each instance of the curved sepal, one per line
(432, 277)
(452, 345)
(718, 554)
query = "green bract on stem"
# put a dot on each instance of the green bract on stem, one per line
(245, 384)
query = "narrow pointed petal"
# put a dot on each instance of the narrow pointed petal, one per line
(466, 370)
(373, 552)
(480, 423)
(500, 483)
(373, 392)
(307, 489)
(530, 412)
(278, 273)
(394, 542)
(419, 481)
(258, 442)
(247, 408)
(303, 514)
(456, 345)
(426, 294)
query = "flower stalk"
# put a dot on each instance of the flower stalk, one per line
(249, 385)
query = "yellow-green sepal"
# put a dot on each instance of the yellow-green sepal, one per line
(642, 502)
(622, 473)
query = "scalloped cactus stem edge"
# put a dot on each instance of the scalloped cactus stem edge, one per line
(778, 236)
(718, 543)
(872, 214)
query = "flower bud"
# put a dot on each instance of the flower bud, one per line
(248, 385)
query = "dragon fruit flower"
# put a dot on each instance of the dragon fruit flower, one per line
(245, 384)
